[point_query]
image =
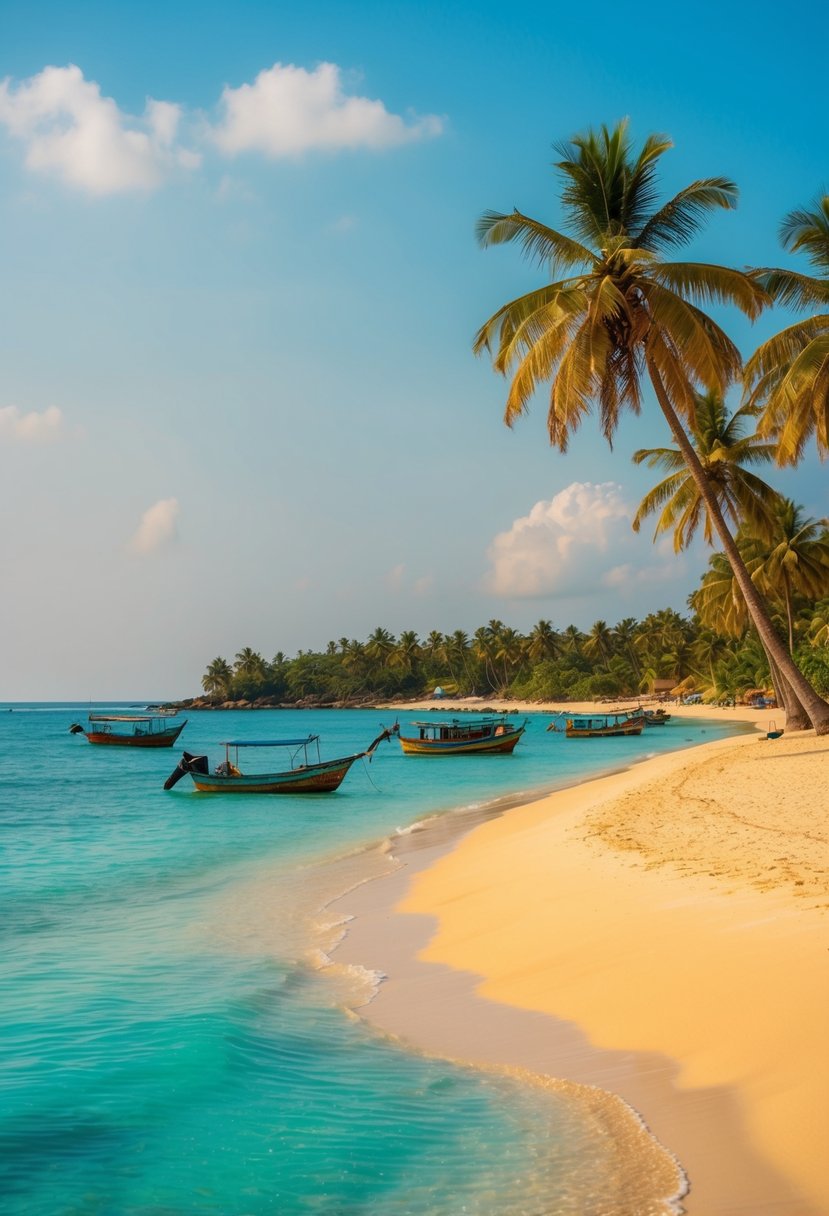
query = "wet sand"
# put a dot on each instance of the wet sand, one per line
(660, 934)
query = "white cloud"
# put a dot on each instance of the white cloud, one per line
(288, 110)
(575, 543)
(32, 427)
(69, 129)
(424, 584)
(157, 528)
(394, 578)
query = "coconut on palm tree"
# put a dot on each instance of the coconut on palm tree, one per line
(788, 376)
(724, 449)
(617, 310)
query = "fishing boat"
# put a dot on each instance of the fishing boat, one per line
(656, 717)
(605, 726)
(131, 730)
(305, 775)
(481, 736)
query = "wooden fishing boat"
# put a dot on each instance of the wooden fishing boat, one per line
(656, 717)
(605, 726)
(481, 736)
(131, 730)
(305, 775)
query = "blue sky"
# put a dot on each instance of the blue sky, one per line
(238, 404)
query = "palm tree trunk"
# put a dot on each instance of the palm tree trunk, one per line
(797, 692)
(788, 594)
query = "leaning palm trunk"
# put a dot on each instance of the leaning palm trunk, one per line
(802, 703)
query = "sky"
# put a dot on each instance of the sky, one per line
(238, 401)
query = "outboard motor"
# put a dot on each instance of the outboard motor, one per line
(187, 764)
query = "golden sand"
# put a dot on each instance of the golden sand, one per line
(659, 934)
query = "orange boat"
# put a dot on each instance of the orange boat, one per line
(131, 730)
(481, 736)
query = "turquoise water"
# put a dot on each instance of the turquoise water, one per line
(166, 1048)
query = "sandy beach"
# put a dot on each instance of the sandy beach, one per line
(659, 935)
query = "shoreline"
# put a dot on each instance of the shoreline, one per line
(444, 927)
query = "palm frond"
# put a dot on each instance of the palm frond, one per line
(807, 230)
(709, 284)
(540, 244)
(790, 288)
(503, 324)
(709, 356)
(679, 220)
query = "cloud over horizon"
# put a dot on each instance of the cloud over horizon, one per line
(157, 528)
(578, 542)
(33, 427)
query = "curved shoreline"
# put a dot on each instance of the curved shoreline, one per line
(447, 1009)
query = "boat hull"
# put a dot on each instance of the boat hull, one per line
(604, 732)
(160, 738)
(494, 745)
(310, 779)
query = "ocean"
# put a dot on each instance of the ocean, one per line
(169, 1043)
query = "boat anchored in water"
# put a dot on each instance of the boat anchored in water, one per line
(488, 736)
(305, 775)
(131, 730)
(605, 726)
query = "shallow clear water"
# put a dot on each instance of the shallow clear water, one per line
(165, 1047)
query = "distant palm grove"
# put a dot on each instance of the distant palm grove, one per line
(713, 651)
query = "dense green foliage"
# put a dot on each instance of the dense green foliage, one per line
(712, 651)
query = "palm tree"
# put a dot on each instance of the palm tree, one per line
(623, 311)
(789, 374)
(406, 655)
(380, 646)
(249, 663)
(599, 641)
(724, 449)
(216, 680)
(624, 636)
(797, 562)
(509, 652)
(572, 640)
(543, 642)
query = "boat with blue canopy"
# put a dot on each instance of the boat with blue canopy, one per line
(306, 775)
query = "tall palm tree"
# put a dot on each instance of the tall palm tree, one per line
(249, 663)
(380, 646)
(572, 640)
(623, 311)
(624, 636)
(216, 680)
(543, 642)
(599, 641)
(724, 449)
(797, 560)
(509, 653)
(406, 654)
(789, 374)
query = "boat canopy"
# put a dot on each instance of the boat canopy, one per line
(269, 742)
(472, 723)
(127, 717)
